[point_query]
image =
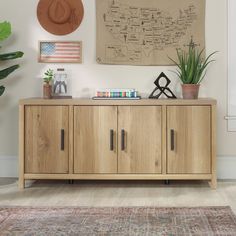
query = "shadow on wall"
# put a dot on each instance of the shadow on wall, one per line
(13, 79)
(20, 84)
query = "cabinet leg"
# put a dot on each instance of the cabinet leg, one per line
(213, 183)
(71, 181)
(21, 183)
(167, 182)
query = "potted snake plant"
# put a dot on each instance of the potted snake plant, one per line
(5, 32)
(191, 69)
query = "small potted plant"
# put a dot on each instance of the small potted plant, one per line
(47, 87)
(191, 69)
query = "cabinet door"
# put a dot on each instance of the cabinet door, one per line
(95, 131)
(188, 139)
(46, 139)
(140, 129)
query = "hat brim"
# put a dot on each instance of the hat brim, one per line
(73, 22)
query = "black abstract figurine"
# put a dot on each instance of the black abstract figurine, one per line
(159, 90)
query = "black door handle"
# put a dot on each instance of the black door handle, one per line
(122, 140)
(111, 140)
(172, 140)
(62, 139)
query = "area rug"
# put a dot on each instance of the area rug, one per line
(136, 221)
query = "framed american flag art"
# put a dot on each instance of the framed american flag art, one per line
(60, 52)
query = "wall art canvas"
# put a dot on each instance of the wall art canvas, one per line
(60, 52)
(138, 32)
(60, 82)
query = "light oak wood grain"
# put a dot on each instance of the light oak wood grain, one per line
(164, 141)
(43, 152)
(120, 176)
(213, 182)
(21, 182)
(87, 125)
(71, 139)
(142, 102)
(143, 139)
(92, 125)
(192, 139)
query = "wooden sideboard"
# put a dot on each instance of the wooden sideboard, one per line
(117, 139)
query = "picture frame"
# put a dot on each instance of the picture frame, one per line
(61, 88)
(60, 52)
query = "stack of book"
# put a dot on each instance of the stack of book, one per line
(116, 94)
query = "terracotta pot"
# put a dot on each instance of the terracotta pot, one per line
(47, 91)
(190, 91)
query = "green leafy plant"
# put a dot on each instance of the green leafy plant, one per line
(48, 76)
(191, 64)
(5, 32)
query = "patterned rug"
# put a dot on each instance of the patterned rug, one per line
(136, 221)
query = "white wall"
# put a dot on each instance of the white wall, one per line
(88, 76)
(231, 65)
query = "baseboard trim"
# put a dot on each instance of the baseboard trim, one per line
(8, 166)
(226, 167)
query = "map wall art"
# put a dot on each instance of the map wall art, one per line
(138, 32)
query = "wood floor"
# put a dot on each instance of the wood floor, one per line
(117, 193)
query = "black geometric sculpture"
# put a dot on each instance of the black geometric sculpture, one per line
(159, 90)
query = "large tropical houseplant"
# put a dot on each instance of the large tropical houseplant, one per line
(5, 32)
(192, 67)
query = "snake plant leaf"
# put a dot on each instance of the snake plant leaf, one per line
(2, 89)
(10, 56)
(5, 30)
(4, 73)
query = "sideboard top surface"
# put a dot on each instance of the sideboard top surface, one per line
(141, 102)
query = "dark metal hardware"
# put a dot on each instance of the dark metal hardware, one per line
(172, 140)
(62, 139)
(122, 140)
(167, 182)
(111, 139)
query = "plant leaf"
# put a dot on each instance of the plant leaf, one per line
(5, 30)
(10, 56)
(4, 73)
(191, 66)
(2, 89)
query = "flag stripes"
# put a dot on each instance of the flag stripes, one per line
(61, 52)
